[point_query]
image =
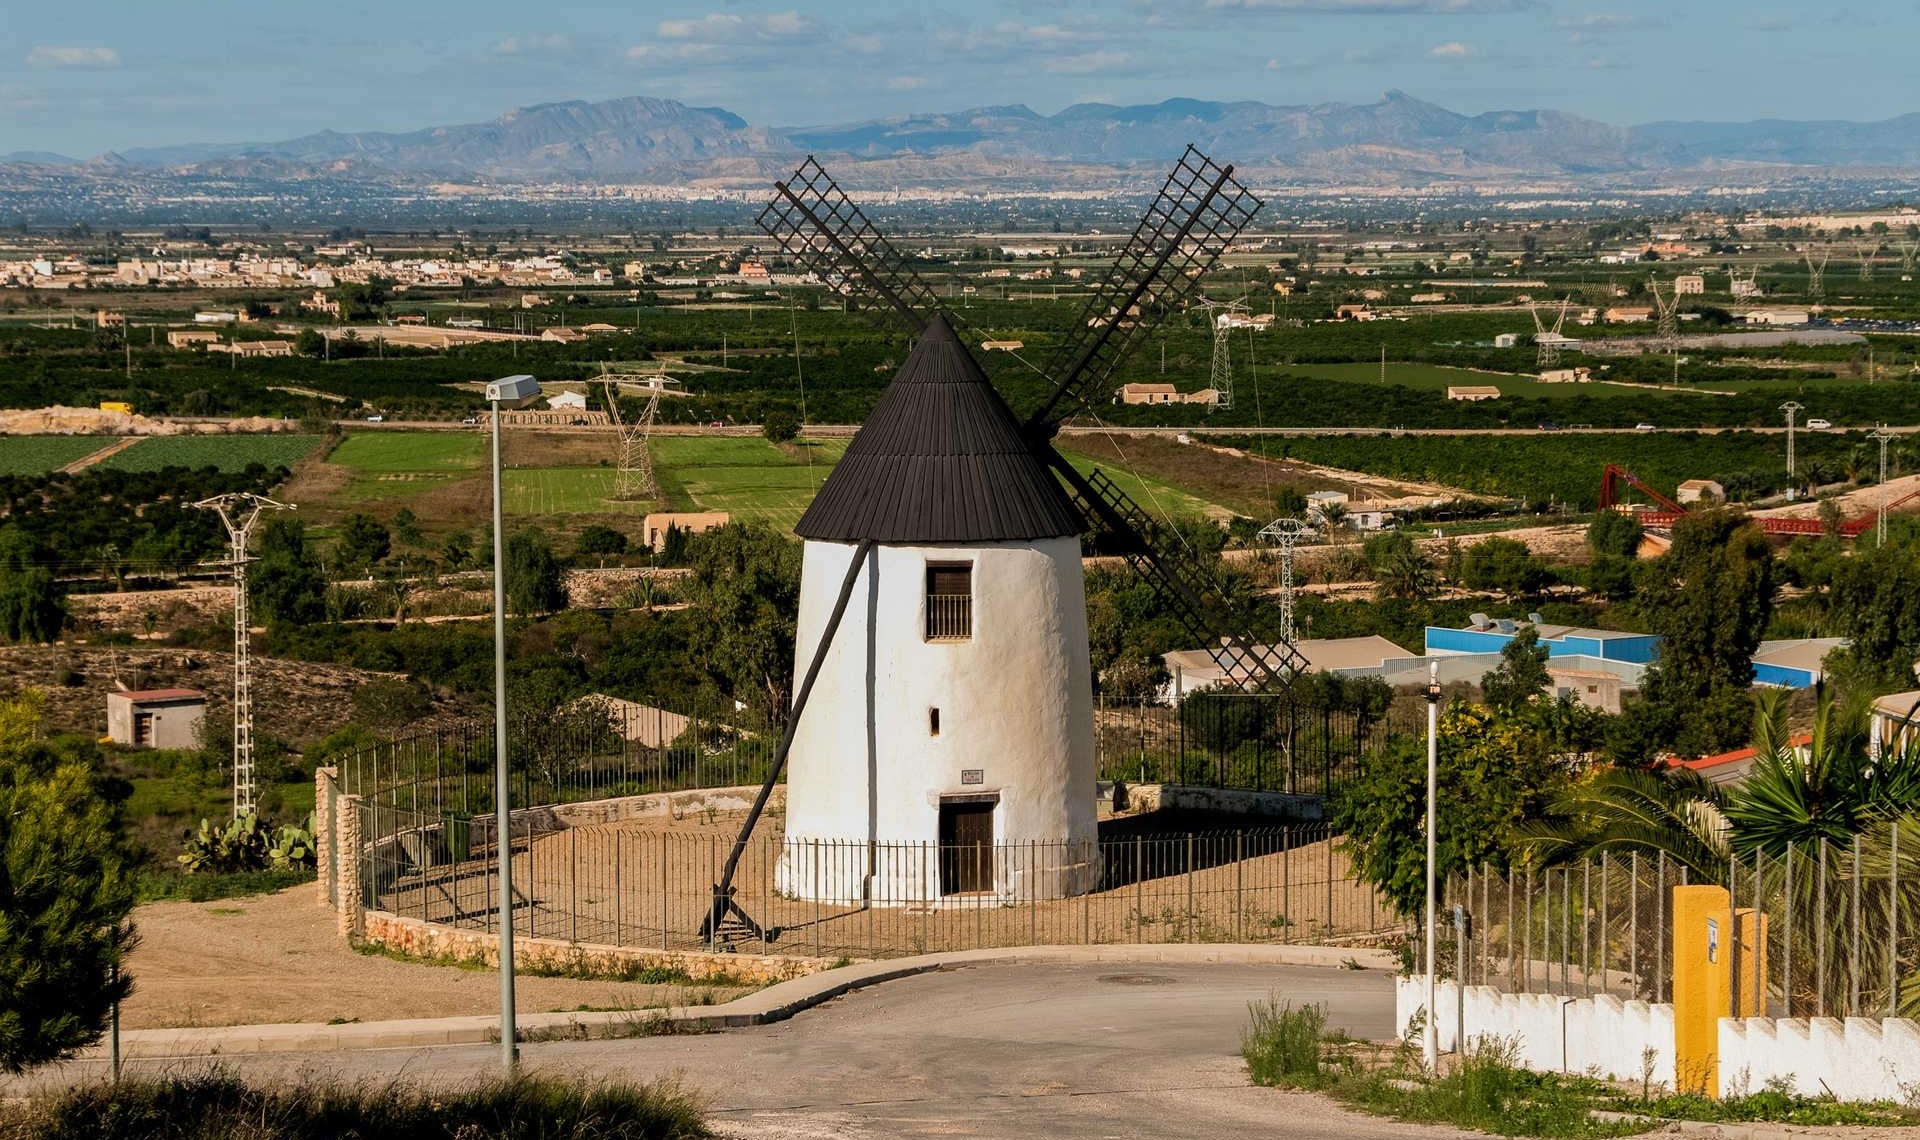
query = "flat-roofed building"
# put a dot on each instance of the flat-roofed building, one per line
(156, 718)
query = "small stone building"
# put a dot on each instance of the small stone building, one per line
(156, 718)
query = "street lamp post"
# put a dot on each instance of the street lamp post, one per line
(1432, 1036)
(504, 391)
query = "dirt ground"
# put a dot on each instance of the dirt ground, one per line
(277, 958)
(296, 701)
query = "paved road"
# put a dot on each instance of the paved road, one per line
(1019, 1052)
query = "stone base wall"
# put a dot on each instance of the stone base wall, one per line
(418, 939)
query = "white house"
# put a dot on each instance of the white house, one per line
(567, 402)
(946, 752)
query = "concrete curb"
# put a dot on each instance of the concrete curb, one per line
(764, 1007)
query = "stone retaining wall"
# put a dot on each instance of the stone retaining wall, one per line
(418, 939)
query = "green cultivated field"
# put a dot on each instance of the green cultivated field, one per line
(226, 452)
(1438, 377)
(410, 452)
(537, 491)
(39, 454)
(747, 477)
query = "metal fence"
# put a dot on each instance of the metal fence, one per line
(1837, 931)
(1267, 742)
(1249, 741)
(651, 887)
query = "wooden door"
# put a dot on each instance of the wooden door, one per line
(966, 847)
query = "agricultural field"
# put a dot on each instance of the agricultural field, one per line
(747, 477)
(379, 452)
(1159, 498)
(1438, 377)
(40, 454)
(1566, 467)
(226, 452)
(541, 491)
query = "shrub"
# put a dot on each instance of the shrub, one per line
(1282, 1046)
(217, 1105)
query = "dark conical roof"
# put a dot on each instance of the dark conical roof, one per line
(941, 459)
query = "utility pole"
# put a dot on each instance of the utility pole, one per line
(1883, 437)
(1792, 408)
(1432, 1035)
(239, 512)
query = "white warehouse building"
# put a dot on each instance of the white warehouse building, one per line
(947, 748)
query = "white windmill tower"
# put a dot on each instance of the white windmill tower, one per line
(960, 681)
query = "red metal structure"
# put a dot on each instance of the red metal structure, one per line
(1669, 511)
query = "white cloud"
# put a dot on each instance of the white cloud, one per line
(906, 83)
(534, 45)
(1773, 24)
(1086, 63)
(679, 53)
(44, 55)
(729, 28)
(1452, 49)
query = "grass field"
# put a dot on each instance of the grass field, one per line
(748, 478)
(1437, 378)
(381, 453)
(537, 491)
(39, 454)
(226, 452)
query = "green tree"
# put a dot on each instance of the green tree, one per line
(600, 540)
(1521, 675)
(1833, 788)
(363, 542)
(1289, 503)
(535, 581)
(1875, 602)
(406, 527)
(745, 588)
(66, 894)
(1497, 773)
(1502, 565)
(32, 602)
(780, 427)
(309, 342)
(285, 583)
(1612, 533)
(1709, 598)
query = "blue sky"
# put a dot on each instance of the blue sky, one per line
(83, 76)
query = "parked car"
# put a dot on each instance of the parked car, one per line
(471, 420)
(1819, 425)
(1645, 427)
(376, 418)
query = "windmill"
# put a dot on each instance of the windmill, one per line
(1548, 341)
(1220, 316)
(633, 478)
(962, 522)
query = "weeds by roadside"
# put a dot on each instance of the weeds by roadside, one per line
(1485, 1087)
(217, 1105)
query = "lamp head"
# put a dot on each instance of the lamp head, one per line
(511, 388)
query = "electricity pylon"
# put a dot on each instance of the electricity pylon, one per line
(633, 476)
(1883, 437)
(239, 511)
(1286, 532)
(1792, 408)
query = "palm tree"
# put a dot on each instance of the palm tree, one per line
(1833, 789)
(1614, 810)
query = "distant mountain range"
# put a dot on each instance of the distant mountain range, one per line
(1398, 137)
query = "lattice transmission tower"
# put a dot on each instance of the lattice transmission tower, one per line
(1220, 315)
(1286, 532)
(239, 512)
(1547, 341)
(1792, 408)
(1816, 273)
(1866, 250)
(633, 472)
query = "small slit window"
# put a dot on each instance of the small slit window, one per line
(933, 722)
(949, 601)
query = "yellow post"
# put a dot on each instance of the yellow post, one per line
(1702, 984)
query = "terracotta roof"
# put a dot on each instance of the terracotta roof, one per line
(1706, 762)
(153, 696)
(941, 459)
